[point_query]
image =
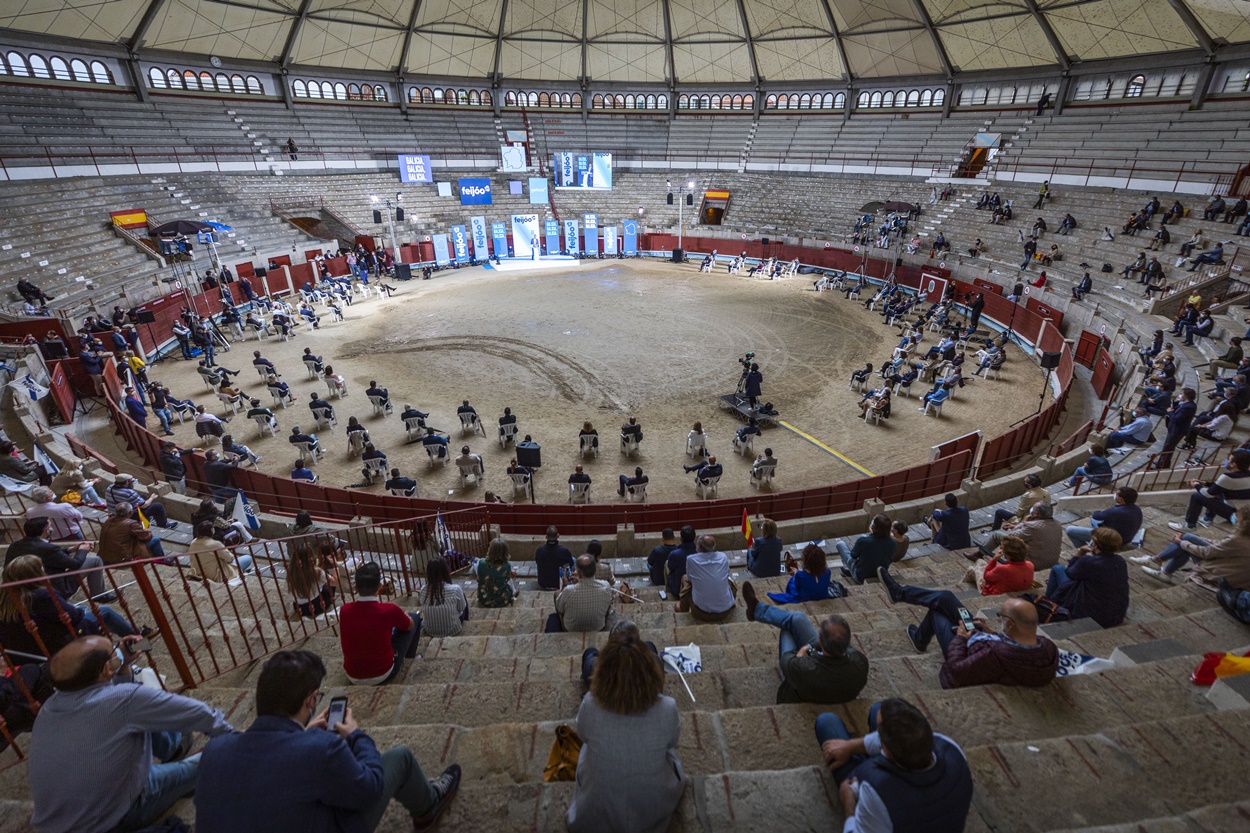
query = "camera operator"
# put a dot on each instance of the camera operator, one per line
(752, 379)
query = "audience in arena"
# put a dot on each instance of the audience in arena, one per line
(764, 554)
(707, 592)
(1124, 516)
(495, 576)
(870, 551)
(551, 561)
(585, 603)
(811, 582)
(950, 524)
(1040, 533)
(375, 636)
(1094, 582)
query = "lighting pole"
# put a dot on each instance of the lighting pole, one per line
(391, 217)
(685, 197)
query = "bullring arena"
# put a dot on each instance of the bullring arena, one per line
(994, 174)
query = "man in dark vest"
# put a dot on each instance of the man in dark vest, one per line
(900, 777)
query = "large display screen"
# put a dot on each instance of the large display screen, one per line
(583, 170)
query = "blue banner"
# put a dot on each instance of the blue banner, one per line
(570, 237)
(609, 240)
(415, 169)
(478, 225)
(475, 191)
(499, 236)
(631, 237)
(582, 170)
(590, 231)
(553, 236)
(525, 244)
(460, 244)
(442, 255)
(538, 190)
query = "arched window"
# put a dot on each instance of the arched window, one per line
(173, 79)
(533, 99)
(1136, 85)
(314, 89)
(78, 68)
(566, 100)
(726, 102)
(327, 90)
(340, 91)
(101, 73)
(926, 98)
(486, 99)
(438, 96)
(805, 101)
(887, 100)
(60, 70)
(366, 93)
(826, 101)
(156, 78)
(223, 83)
(596, 102)
(839, 101)
(939, 98)
(238, 85)
(875, 100)
(736, 103)
(206, 81)
(683, 101)
(913, 98)
(705, 102)
(661, 102)
(379, 92)
(862, 100)
(770, 103)
(39, 66)
(254, 86)
(462, 97)
(18, 64)
(509, 98)
(544, 100)
(414, 95)
(475, 98)
(651, 102)
(189, 80)
(353, 92)
(640, 103)
(783, 101)
(715, 102)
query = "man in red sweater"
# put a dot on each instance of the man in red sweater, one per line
(376, 637)
(1016, 655)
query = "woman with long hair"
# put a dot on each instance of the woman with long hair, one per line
(809, 583)
(44, 606)
(588, 430)
(443, 605)
(764, 556)
(627, 725)
(494, 576)
(309, 586)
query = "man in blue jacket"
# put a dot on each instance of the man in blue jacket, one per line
(291, 771)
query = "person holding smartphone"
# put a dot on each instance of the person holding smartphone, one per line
(975, 653)
(300, 766)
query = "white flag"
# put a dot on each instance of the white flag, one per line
(442, 535)
(243, 513)
(10, 485)
(42, 458)
(29, 387)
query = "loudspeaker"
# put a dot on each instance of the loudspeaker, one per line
(261, 271)
(679, 255)
(399, 215)
(145, 316)
(764, 241)
(403, 271)
(377, 216)
(1050, 361)
(898, 261)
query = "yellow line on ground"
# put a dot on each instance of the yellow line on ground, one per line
(824, 447)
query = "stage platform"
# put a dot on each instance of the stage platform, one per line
(737, 403)
(516, 264)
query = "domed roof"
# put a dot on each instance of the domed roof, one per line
(649, 41)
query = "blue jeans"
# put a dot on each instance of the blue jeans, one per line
(830, 727)
(166, 784)
(1117, 439)
(1081, 536)
(1058, 575)
(114, 621)
(1173, 557)
(1095, 479)
(941, 619)
(244, 562)
(164, 416)
(224, 493)
(796, 629)
(155, 547)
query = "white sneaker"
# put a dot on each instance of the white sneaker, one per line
(1159, 574)
(1179, 527)
(1142, 559)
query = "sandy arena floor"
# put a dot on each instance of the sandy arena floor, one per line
(597, 343)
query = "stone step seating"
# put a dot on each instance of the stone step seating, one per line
(707, 134)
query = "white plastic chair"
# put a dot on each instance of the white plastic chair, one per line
(208, 383)
(903, 388)
(992, 371)
(520, 482)
(709, 486)
(636, 493)
(414, 428)
(375, 468)
(629, 445)
(745, 445)
(470, 422)
(762, 476)
(325, 419)
(356, 442)
(588, 445)
(857, 385)
(263, 372)
(307, 452)
(405, 492)
(874, 414)
(335, 389)
(379, 405)
(471, 468)
(579, 493)
(696, 445)
(279, 398)
(231, 401)
(265, 425)
(934, 406)
(507, 434)
(431, 451)
(313, 373)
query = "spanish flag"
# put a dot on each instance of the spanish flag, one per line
(1217, 665)
(746, 528)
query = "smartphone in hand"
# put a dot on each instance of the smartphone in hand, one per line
(337, 713)
(966, 618)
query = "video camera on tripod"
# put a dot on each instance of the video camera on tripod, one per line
(748, 364)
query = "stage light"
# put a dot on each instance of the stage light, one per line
(690, 185)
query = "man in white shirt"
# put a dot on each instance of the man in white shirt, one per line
(707, 592)
(1132, 434)
(64, 518)
(584, 605)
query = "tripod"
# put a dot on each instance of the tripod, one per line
(1041, 400)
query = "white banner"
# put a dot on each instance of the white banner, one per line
(525, 240)
(31, 389)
